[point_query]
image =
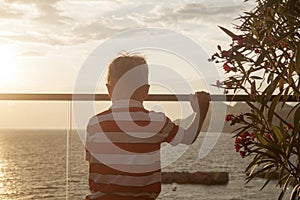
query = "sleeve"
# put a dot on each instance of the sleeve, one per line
(87, 139)
(87, 155)
(174, 132)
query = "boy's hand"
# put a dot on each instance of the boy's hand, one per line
(200, 104)
(200, 101)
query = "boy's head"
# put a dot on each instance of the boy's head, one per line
(127, 78)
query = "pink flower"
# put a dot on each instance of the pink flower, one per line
(243, 143)
(246, 149)
(268, 136)
(279, 145)
(233, 121)
(283, 44)
(270, 38)
(238, 140)
(228, 118)
(240, 41)
(235, 37)
(267, 65)
(290, 126)
(226, 67)
(218, 83)
(228, 85)
(243, 154)
(237, 147)
(244, 134)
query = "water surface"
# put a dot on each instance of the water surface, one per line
(33, 166)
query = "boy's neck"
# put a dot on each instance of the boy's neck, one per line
(126, 103)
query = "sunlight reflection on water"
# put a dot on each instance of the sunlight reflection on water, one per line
(2, 189)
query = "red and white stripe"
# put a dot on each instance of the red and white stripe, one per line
(123, 150)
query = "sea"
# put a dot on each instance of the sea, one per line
(43, 164)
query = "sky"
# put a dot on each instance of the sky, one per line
(44, 44)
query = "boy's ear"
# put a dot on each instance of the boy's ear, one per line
(147, 87)
(109, 89)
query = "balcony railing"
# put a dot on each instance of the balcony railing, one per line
(104, 97)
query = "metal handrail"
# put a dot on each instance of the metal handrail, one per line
(105, 97)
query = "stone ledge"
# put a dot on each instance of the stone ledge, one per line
(205, 178)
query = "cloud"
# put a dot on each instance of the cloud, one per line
(96, 30)
(49, 14)
(58, 22)
(43, 23)
(203, 12)
(38, 39)
(83, 33)
(32, 54)
(213, 12)
(51, 25)
(9, 13)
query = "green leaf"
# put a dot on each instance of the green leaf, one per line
(256, 77)
(297, 67)
(262, 140)
(290, 112)
(251, 105)
(260, 59)
(287, 182)
(270, 77)
(283, 176)
(254, 31)
(277, 133)
(265, 184)
(272, 108)
(270, 89)
(228, 32)
(272, 151)
(282, 130)
(262, 171)
(295, 191)
(285, 96)
(253, 165)
(282, 36)
(257, 161)
(281, 195)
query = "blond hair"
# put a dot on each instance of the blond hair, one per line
(123, 63)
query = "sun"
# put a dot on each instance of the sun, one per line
(8, 66)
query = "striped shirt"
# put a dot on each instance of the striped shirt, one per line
(123, 151)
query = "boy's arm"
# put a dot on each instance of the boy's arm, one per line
(200, 104)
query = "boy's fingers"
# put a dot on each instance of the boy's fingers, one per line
(203, 96)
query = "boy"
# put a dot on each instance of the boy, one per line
(123, 142)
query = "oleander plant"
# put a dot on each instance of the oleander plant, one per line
(263, 62)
